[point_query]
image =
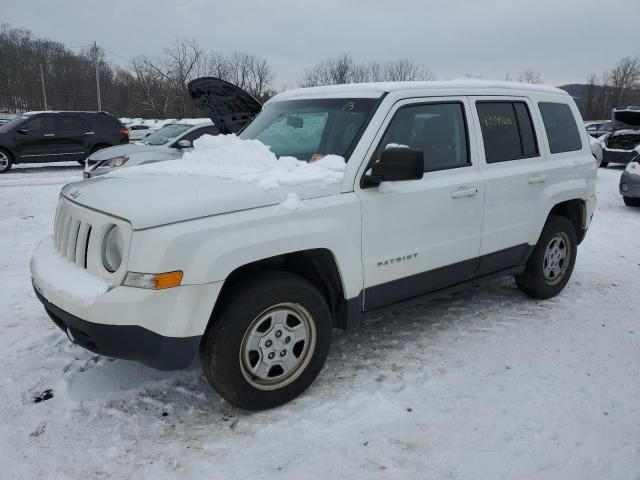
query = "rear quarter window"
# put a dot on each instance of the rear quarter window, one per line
(107, 121)
(561, 128)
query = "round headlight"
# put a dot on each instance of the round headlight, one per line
(112, 247)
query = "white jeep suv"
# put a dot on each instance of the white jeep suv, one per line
(439, 185)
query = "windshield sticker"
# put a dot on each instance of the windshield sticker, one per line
(349, 106)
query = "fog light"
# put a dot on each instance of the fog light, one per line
(623, 187)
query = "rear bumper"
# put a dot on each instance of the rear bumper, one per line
(130, 342)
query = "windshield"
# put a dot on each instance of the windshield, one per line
(310, 129)
(14, 122)
(166, 134)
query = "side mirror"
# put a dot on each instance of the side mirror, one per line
(185, 144)
(396, 164)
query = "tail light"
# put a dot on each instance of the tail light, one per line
(124, 131)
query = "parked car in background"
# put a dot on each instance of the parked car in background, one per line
(630, 182)
(229, 109)
(596, 149)
(5, 119)
(382, 193)
(620, 143)
(599, 128)
(58, 137)
(168, 143)
(138, 132)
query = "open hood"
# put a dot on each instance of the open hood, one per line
(626, 118)
(229, 107)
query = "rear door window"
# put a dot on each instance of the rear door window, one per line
(507, 131)
(71, 124)
(561, 128)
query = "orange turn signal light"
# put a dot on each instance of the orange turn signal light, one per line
(167, 280)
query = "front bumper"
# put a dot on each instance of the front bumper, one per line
(130, 342)
(618, 156)
(630, 185)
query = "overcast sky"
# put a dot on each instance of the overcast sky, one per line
(565, 40)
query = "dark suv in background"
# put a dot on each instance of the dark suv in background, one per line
(58, 137)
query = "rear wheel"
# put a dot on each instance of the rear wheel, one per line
(631, 201)
(551, 263)
(6, 161)
(268, 342)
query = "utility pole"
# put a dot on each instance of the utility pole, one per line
(95, 51)
(44, 91)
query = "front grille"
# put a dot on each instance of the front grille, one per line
(72, 237)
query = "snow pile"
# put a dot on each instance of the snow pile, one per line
(248, 161)
(55, 274)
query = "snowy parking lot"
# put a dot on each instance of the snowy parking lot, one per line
(482, 384)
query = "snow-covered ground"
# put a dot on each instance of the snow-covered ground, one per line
(483, 384)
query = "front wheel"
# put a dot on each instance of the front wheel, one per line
(631, 201)
(551, 263)
(268, 342)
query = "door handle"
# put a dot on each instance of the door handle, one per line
(464, 192)
(537, 179)
(49, 134)
(89, 133)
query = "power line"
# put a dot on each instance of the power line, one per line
(117, 55)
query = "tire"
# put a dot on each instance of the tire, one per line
(631, 201)
(604, 164)
(551, 263)
(257, 378)
(6, 161)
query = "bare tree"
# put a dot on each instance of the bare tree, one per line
(530, 76)
(591, 97)
(405, 70)
(342, 69)
(623, 78)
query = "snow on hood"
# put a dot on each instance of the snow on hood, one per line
(247, 161)
(633, 167)
(624, 132)
(223, 174)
